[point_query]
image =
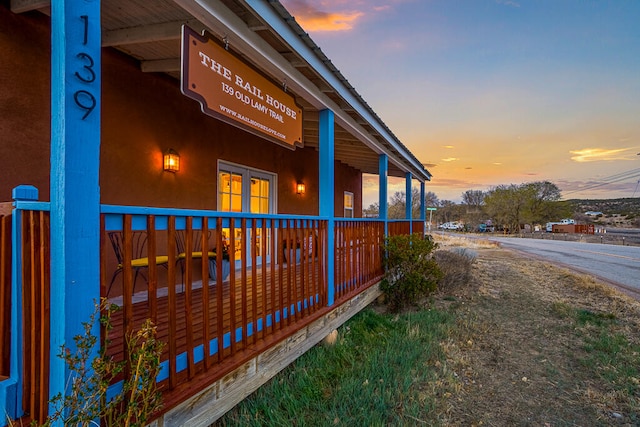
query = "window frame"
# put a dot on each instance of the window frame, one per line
(247, 174)
(344, 204)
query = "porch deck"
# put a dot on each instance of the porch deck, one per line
(209, 330)
(257, 307)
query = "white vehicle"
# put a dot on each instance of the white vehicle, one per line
(562, 222)
(453, 225)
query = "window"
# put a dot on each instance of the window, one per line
(242, 189)
(348, 204)
(260, 195)
(229, 192)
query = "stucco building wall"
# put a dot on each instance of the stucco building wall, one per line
(143, 115)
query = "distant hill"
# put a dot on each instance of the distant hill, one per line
(622, 212)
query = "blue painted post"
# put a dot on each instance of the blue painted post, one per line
(423, 210)
(75, 162)
(408, 209)
(326, 192)
(383, 171)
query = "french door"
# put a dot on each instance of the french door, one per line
(243, 189)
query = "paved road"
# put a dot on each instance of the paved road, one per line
(617, 264)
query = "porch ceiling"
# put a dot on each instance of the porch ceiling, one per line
(150, 31)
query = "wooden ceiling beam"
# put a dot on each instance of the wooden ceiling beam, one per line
(21, 6)
(148, 33)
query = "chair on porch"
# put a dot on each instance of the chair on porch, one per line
(303, 247)
(196, 252)
(139, 260)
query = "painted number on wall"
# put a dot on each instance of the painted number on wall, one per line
(84, 99)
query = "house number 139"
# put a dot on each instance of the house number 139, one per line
(83, 98)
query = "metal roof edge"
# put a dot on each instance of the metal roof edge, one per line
(274, 13)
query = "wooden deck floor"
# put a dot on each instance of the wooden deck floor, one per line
(258, 302)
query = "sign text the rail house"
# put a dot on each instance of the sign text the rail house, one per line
(232, 91)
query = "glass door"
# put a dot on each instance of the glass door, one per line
(242, 189)
(230, 191)
(260, 203)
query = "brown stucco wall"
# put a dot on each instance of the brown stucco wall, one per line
(24, 102)
(348, 179)
(143, 114)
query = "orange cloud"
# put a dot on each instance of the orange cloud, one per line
(599, 154)
(450, 159)
(312, 19)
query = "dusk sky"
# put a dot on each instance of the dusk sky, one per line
(489, 92)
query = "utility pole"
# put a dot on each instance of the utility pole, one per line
(430, 216)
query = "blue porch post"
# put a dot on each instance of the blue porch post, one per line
(423, 210)
(383, 171)
(75, 191)
(408, 209)
(326, 192)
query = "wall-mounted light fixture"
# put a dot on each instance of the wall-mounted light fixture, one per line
(171, 161)
(300, 188)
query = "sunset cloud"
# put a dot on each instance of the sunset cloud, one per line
(453, 183)
(448, 90)
(314, 19)
(508, 3)
(600, 154)
(594, 189)
(382, 8)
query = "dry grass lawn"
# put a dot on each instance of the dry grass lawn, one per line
(537, 345)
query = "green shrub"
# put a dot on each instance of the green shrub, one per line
(411, 273)
(455, 265)
(87, 401)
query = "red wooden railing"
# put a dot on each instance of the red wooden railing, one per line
(276, 284)
(35, 313)
(212, 318)
(418, 227)
(358, 256)
(402, 227)
(5, 295)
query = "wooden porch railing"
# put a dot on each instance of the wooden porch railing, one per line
(358, 256)
(34, 303)
(35, 312)
(400, 227)
(5, 294)
(215, 315)
(418, 227)
(213, 309)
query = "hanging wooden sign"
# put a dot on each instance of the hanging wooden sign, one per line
(230, 90)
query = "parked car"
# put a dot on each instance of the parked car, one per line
(453, 225)
(485, 228)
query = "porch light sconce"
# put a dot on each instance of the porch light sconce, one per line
(171, 161)
(300, 188)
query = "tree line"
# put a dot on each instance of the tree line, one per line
(504, 206)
